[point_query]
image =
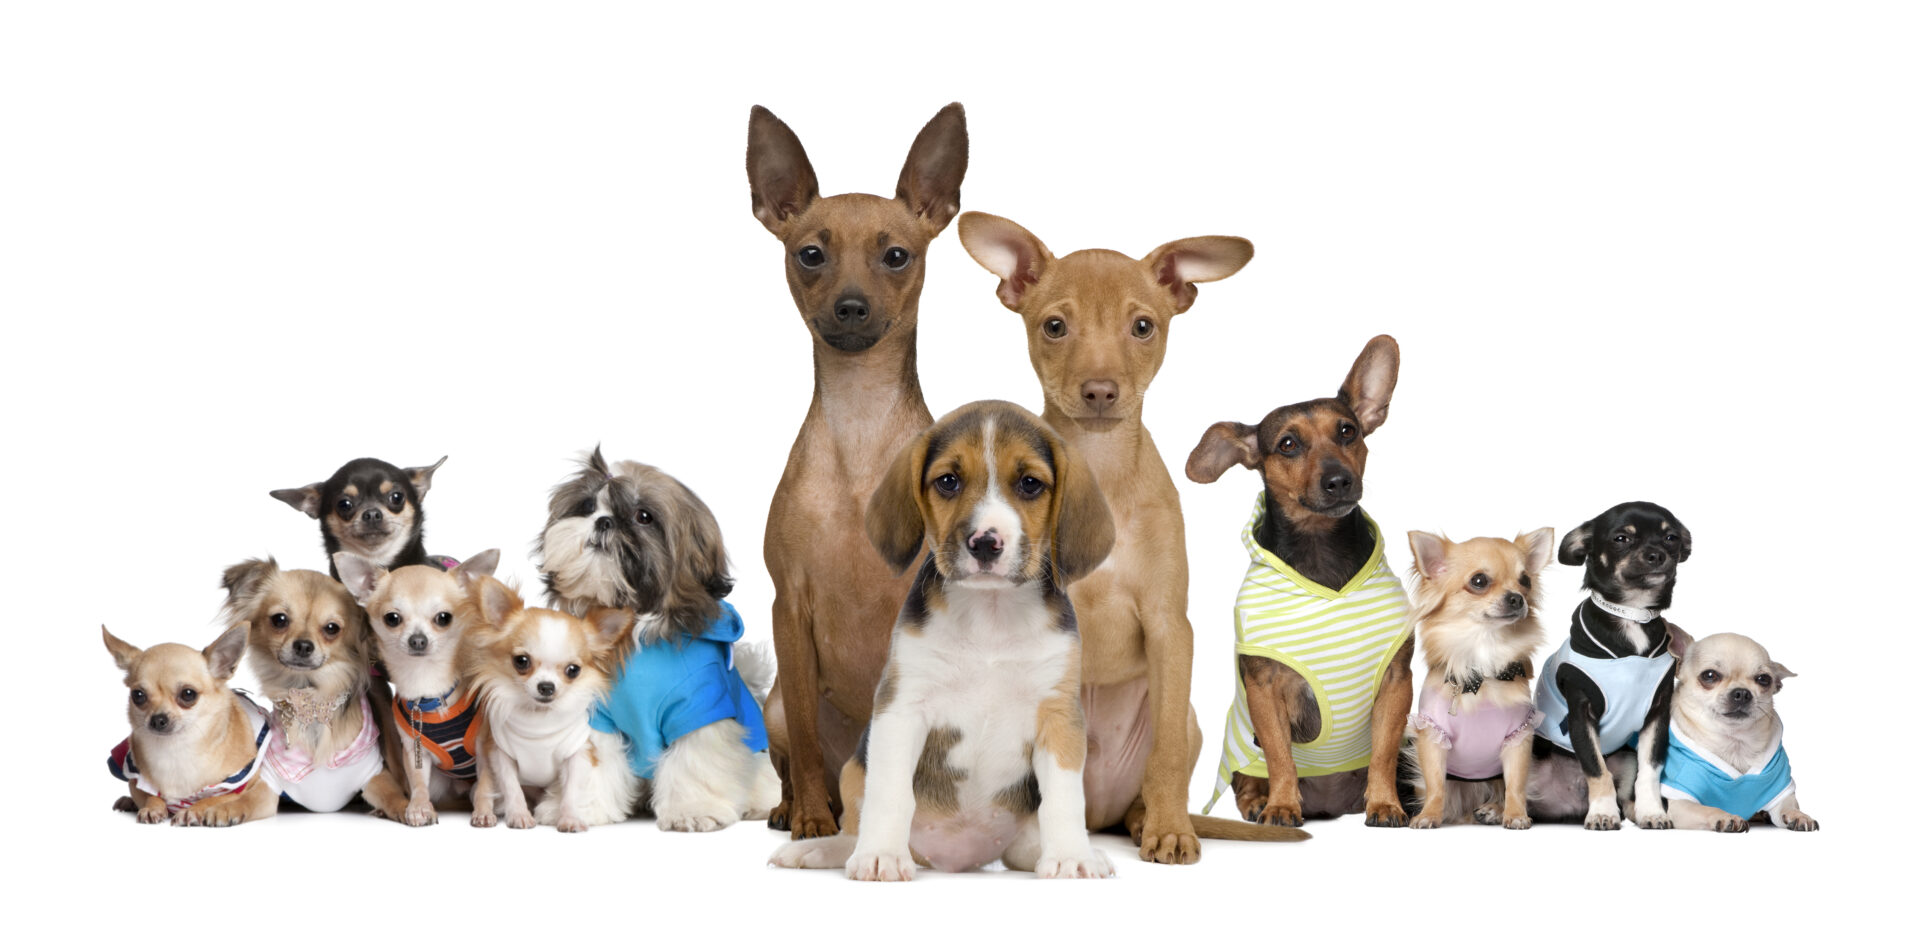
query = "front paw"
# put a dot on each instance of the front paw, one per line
(1386, 815)
(1602, 822)
(1085, 863)
(1656, 821)
(694, 823)
(152, 813)
(570, 824)
(1730, 824)
(816, 824)
(1517, 821)
(880, 866)
(1174, 846)
(1799, 822)
(779, 819)
(420, 814)
(519, 819)
(1279, 814)
(1487, 814)
(1427, 819)
(483, 818)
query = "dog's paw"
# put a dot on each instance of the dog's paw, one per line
(1730, 824)
(570, 824)
(1426, 819)
(1521, 821)
(1487, 814)
(814, 853)
(1178, 847)
(1386, 816)
(812, 826)
(125, 804)
(1799, 822)
(420, 814)
(780, 818)
(483, 819)
(693, 823)
(152, 813)
(880, 866)
(1656, 821)
(1602, 822)
(1090, 863)
(1278, 814)
(519, 819)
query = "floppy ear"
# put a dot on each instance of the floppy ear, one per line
(895, 525)
(497, 601)
(1369, 384)
(1429, 553)
(223, 654)
(1538, 546)
(123, 652)
(1083, 525)
(1573, 548)
(245, 582)
(1012, 253)
(483, 563)
(422, 477)
(699, 577)
(305, 498)
(1179, 265)
(1686, 539)
(360, 575)
(930, 179)
(1225, 444)
(778, 173)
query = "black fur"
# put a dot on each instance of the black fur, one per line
(326, 501)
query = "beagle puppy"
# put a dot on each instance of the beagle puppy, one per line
(977, 741)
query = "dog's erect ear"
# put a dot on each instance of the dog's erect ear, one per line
(610, 624)
(123, 652)
(360, 575)
(1780, 675)
(1083, 525)
(1179, 265)
(1429, 553)
(1012, 253)
(782, 180)
(422, 477)
(305, 498)
(483, 563)
(1225, 444)
(930, 180)
(895, 525)
(497, 601)
(1369, 385)
(223, 655)
(1573, 548)
(1538, 546)
(244, 584)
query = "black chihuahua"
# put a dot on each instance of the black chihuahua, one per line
(371, 508)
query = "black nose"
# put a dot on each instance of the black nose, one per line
(603, 523)
(1654, 556)
(417, 643)
(303, 648)
(850, 308)
(370, 516)
(1515, 602)
(1741, 696)
(985, 546)
(544, 688)
(158, 722)
(1338, 484)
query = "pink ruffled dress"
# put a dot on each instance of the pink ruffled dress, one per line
(1473, 738)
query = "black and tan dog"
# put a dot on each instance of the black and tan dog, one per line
(1325, 659)
(371, 508)
(1613, 677)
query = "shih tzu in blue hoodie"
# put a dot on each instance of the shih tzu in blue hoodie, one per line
(687, 698)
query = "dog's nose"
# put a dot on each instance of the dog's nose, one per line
(1740, 697)
(1515, 602)
(158, 722)
(417, 643)
(545, 688)
(1654, 556)
(985, 546)
(1338, 484)
(1099, 393)
(603, 523)
(370, 516)
(850, 308)
(303, 648)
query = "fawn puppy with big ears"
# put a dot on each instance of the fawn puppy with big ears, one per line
(1473, 611)
(1097, 323)
(855, 264)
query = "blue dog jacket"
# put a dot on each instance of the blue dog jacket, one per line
(1627, 686)
(673, 687)
(1694, 773)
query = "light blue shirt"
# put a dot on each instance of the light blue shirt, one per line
(1694, 773)
(1627, 685)
(677, 686)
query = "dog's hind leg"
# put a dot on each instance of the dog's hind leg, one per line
(701, 782)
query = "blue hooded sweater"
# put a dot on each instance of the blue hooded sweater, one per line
(676, 686)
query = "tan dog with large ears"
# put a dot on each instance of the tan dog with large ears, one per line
(855, 264)
(1097, 325)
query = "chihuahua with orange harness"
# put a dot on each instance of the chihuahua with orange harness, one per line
(855, 264)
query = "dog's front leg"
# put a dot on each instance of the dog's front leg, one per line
(484, 792)
(1432, 752)
(1648, 811)
(1686, 814)
(1516, 764)
(808, 814)
(881, 852)
(1270, 707)
(1059, 762)
(573, 775)
(506, 782)
(1166, 833)
(1389, 727)
(1788, 814)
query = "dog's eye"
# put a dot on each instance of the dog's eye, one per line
(1673, 536)
(522, 663)
(896, 258)
(586, 507)
(1029, 487)
(279, 621)
(392, 619)
(1142, 328)
(1763, 680)
(643, 517)
(1620, 539)
(1288, 445)
(573, 671)
(1525, 581)
(331, 629)
(1709, 677)
(1054, 327)
(811, 256)
(1347, 432)
(188, 696)
(138, 698)
(1479, 582)
(947, 483)
(443, 619)
(396, 499)
(344, 507)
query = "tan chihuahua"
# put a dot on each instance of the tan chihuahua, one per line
(1097, 325)
(1725, 763)
(197, 747)
(855, 264)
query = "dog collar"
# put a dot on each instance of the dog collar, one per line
(430, 703)
(1635, 614)
(1471, 684)
(304, 708)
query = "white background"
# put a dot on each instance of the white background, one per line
(1639, 251)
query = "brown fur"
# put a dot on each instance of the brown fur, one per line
(835, 599)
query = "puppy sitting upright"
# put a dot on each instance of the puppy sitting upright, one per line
(1605, 694)
(310, 650)
(1725, 764)
(197, 746)
(977, 740)
(1474, 604)
(1321, 622)
(370, 508)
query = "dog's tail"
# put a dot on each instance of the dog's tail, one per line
(1213, 827)
(755, 662)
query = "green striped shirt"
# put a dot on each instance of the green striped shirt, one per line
(1339, 641)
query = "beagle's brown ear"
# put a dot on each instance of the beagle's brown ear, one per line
(895, 522)
(1369, 385)
(1083, 526)
(1225, 444)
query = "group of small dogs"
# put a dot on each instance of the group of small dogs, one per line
(1028, 683)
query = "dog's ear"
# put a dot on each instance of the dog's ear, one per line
(1429, 553)
(1538, 547)
(1225, 444)
(610, 625)
(305, 498)
(1179, 265)
(699, 577)
(422, 478)
(1012, 253)
(1780, 675)
(782, 180)
(223, 655)
(123, 652)
(1686, 538)
(1573, 548)
(1369, 385)
(483, 563)
(244, 583)
(360, 575)
(597, 463)
(497, 601)
(930, 179)
(1083, 525)
(895, 524)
